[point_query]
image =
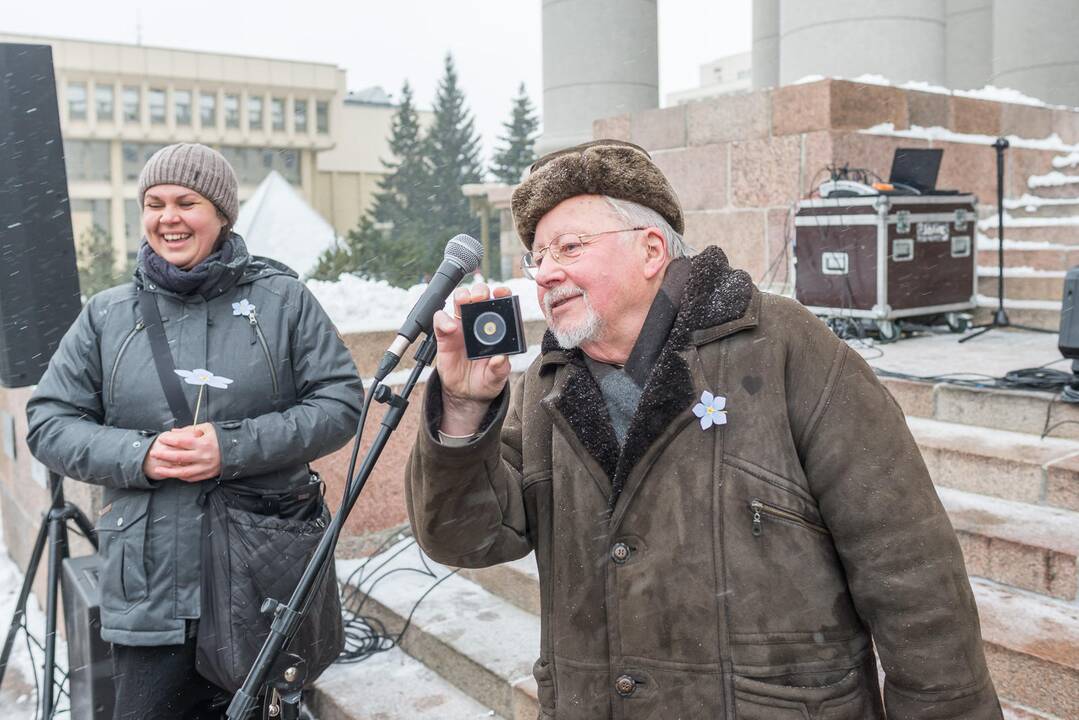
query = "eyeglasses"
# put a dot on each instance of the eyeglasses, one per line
(564, 250)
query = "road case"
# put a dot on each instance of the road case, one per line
(887, 257)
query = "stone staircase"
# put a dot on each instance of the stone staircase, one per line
(1013, 499)
(1041, 242)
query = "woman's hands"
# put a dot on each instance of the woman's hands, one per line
(190, 454)
(468, 386)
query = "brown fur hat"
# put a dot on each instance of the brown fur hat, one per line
(602, 167)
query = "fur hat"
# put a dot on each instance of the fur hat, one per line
(195, 166)
(602, 167)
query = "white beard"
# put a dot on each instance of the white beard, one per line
(571, 336)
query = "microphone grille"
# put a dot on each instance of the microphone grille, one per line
(464, 251)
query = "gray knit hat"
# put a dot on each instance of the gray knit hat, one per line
(602, 167)
(195, 166)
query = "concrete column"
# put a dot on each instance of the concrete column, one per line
(1035, 49)
(765, 43)
(901, 41)
(968, 47)
(600, 58)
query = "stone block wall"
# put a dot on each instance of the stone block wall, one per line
(740, 163)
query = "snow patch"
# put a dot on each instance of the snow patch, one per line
(942, 134)
(276, 222)
(1053, 179)
(356, 304)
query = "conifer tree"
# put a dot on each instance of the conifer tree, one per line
(391, 238)
(95, 259)
(517, 151)
(452, 149)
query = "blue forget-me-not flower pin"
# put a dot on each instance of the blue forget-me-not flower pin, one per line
(244, 308)
(710, 410)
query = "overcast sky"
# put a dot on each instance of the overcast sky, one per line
(496, 43)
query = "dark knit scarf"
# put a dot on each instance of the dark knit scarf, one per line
(182, 282)
(622, 386)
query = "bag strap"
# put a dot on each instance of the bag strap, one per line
(159, 346)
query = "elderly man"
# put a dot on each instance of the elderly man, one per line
(726, 507)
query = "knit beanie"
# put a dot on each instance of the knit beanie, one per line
(194, 166)
(602, 167)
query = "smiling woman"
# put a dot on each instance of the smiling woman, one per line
(110, 411)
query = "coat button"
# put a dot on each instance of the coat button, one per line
(119, 522)
(620, 552)
(625, 685)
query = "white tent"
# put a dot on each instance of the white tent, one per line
(277, 222)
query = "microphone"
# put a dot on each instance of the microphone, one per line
(462, 256)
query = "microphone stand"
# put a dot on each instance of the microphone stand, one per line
(280, 673)
(1000, 317)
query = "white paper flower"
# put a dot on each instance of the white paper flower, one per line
(710, 410)
(243, 308)
(202, 376)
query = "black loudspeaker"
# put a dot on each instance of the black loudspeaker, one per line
(39, 283)
(89, 657)
(1068, 343)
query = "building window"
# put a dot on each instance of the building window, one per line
(277, 114)
(287, 162)
(254, 113)
(135, 156)
(104, 102)
(132, 227)
(89, 216)
(76, 101)
(322, 116)
(181, 105)
(299, 115)
(232, 111)
(87, 160)
(157, 106)
(208, 110)
(132, 111)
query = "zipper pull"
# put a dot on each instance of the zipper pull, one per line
(756, 506)
(254, 327)
(139, 325)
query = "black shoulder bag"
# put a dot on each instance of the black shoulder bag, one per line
(255, 545)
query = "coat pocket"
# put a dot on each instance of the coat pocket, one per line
(846, 699)
(545, 692)
(121, 533)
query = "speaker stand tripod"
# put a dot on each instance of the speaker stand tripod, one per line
(1000, 316)
(54, 531)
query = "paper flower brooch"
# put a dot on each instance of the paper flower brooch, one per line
(710, 410)
(203, 377)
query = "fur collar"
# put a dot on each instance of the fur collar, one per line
(715, 294)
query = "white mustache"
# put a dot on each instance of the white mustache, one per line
(557, 294)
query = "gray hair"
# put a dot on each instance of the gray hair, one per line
(638, 215)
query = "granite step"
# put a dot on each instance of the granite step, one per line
(1040, 207)
(1015, 711)
(1032, 646)
(999, 463)
(391, 686)
(1023, 284)
(1031, 640)
(1037, 255)
(1032, 412)
(516, 582)
(475, 640)
(1043, 314)
(1061, 229)
(1067, 189)
(1031, 547)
